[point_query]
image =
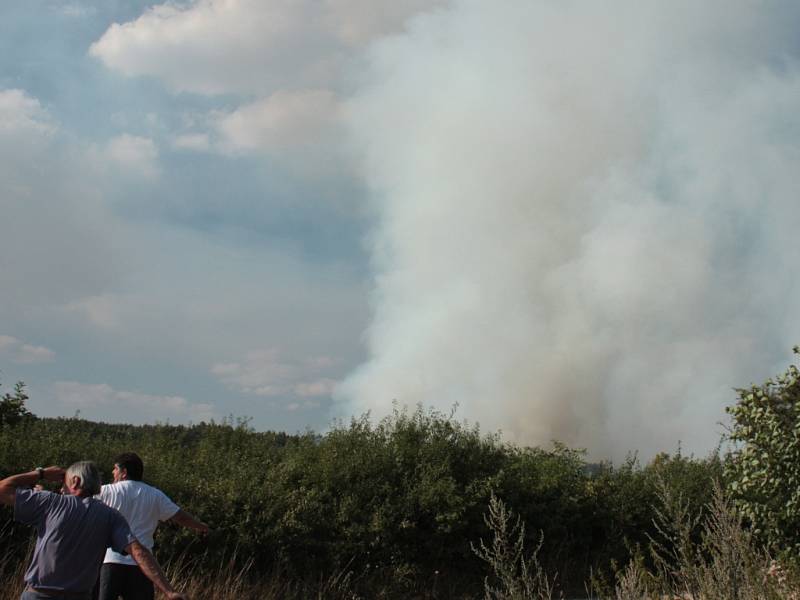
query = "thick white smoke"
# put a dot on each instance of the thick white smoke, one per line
(586, 216)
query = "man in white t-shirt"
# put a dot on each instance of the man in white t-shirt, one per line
(143, 506)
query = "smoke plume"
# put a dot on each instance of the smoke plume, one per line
(586, 216)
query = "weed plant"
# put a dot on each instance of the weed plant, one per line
(517, 575)
(727, 563)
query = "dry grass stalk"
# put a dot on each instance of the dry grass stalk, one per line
(517, 577)
(725, 564)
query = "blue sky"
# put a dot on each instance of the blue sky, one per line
(575, 222)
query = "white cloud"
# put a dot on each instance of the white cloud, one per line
(283, 121)
(248, 46)
(290, 55)
(101, 402)
(29, 354)
(356, 22)
(24, 354)
(320, 387)
(268, 373)
(135, 154)
(7, 341)
(27, 131)
(102, 311)
(21, 114)
(217, 46)
(198, 142)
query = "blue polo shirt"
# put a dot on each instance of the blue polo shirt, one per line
(72, 536)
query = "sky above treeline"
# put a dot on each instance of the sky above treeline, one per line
(571, 220)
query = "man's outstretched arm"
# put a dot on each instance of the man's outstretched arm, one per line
(150, 567)
(186, 520)
(9, 485)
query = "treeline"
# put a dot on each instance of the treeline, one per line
(399, 501)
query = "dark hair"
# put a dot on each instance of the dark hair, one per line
(132, 464)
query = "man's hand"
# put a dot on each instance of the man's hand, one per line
(177, 596)
(9, 485)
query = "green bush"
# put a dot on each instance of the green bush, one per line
(399, 501)
(764, 467)
(12, 406)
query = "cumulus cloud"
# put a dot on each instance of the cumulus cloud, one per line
(135, 154)
(198, 142)
(102, 311)
(21, 114)
(26, 130)
(586, 216)
(286, 58)
(282, 122)
(268, 373)
(102, 402)
(24, 354)
(248, 46)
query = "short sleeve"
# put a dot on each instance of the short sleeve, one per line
(103, 495)
(166, 507)
(121, 536)
(31, 507)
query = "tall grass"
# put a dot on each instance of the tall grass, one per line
(705, 556)
(220, 584)
(725, 563)
(229, 582)
(226, 582)
(12, 568)
(517, 575)
(710, 556)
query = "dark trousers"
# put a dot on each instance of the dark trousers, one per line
(31, 595)
(123, 581)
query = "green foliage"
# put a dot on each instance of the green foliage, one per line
(398, 501)
(764, 468)
(12, 406)
(617, 512)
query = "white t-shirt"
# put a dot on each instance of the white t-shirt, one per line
(143, 506)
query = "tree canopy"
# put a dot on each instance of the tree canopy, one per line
(12, 406)
(764, 467)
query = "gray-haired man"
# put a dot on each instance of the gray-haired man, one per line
(73, 531)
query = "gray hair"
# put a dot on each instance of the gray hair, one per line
(89, 475)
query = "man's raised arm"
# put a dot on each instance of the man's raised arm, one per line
(9, 485)
(186, 520)
(150, 567)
